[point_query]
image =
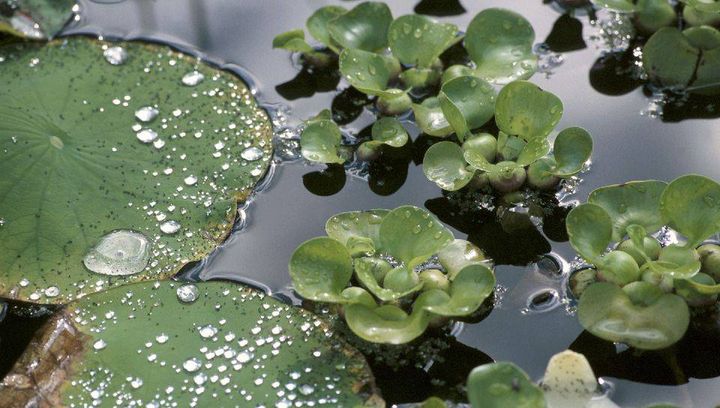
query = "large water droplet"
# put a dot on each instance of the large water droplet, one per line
(192, 78)
(146, 114)
(115, 55)
(208, 331)
(187, 293)
(190, 180)
(170, 227)
(192, 365)
(146, 135)
(100, 344)
(252, 154)
(119, 253)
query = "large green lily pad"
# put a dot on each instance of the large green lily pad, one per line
(37, 19)
(157, 344)
(130, 170)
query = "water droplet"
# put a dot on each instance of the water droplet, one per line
(306, 389)
(115, 55)
(200, 379)
(146, 114)
(192, 365)
(52, 291)
(192, 78)
(119, 253)
(170, 227)
(252, 153)
(161, 338)
(244, 357)
(100, 344)
(146, 135)
(159, 143)
(136, 383)
(190, 180)
(187, 293)
(208, 331)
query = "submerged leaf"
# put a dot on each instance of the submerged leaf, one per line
(105, 137)
(500, 385)
(523, 109)
(572, 148)
(365, 27)
(146, 345)
(467, 102)
(417, 40)
(320, 269)
(445, 166)
(36, 19)
(691, 205)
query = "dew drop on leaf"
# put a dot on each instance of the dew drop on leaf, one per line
(170, 227)
(115, 55)
(119, 253)
(252, 154)
(146, 114)
(146, 135)
(187, 293)
(192, 78)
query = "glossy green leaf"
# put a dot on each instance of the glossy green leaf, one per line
(606, 311)
(389, 324)
(679, 262)
(36, 19)
(669, 58)
(205, 344)
(500, 42)
(590, 230)
(635, 202)
(370, 271)
(355, 295)
(117, 168)
(501, 385)
(365, 27)
(703, 37)
(652, 15)
(417, 40)
(320, 269)
(623, 6)
(412, 235)
(459, 254)
(317, 24)
(359, 231)
(703, 5)
(703, 285)
(467, 103)
(368, 72)
(445, 166)
(707, 80)
(389, 131)
(523, 109)
(320, 142)
(569, 381)
(691, 205)
(293, 40)
(618, 267)
(455, 71)
(572, 148)
(468, 290)
(430, 118)
(532, 151)
(420, 77)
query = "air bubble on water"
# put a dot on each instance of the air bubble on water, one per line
(119, 253)
(170, 227)
(146, 114)
(99, 345)
(146, 135)
(192, 78)
(187, 293)
(252, 154)
(115, 55)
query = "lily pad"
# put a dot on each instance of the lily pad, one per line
(444, 165)
(606, 311)
(128, 141)
(523, 109)
(210, 344)
(590, 230)
(467, 102)
(37, 19)
(503, 384)
(417, 40)
(500, 42)
(691, 205)
(368, 72)
(572, 148)
(365, 27)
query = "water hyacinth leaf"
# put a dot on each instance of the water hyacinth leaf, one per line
(445, 166)
(569, 381)
(703, 286)
(317, 24)
(476, 158)
(523, 109)
(467, 102)
(370, 271)
(704, 37)
(635, 202)
(669, 58)
(412, 235)
(707, 81)
(101, 334)
(623, 6)
(320, 142)
(320, 269)
(606, 311)
(359, 231)
(469, 288)
(572, 148)
(691, 205)
(368, 72)
(365, 27)
(386, 324)
(36, 19)
(500, 42)
(420, 77)
(703, 5)
(418, 41)
(159, 159)
(590, 230)
(533, 150)
(430, 118)
(676, 261)
(293, 40)
(389, 131)
(500, 385)
(459, 254)
(354, 295)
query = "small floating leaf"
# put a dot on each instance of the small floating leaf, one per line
(459, 254)
(417, 40)
(36, 19)
(444, 165)
(233, 346)
(320, 142)
(572, 148)
(293, 40)
(368, 72)
(389, 131)
(691, 205)
(467, 102)
(365, 27)
(500, 385)
(590, 230)
(669, 58)
(524, 109)
(359, 231)
(320, 269)
(430, 118)
(469, 288)
(317, 24)
(624, 6)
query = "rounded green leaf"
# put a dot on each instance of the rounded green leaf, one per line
(368, 72)
(500, 42)
(532, 151)
(445, 166)
(623, 6)
(35, 19)
(635, 202)
(606, 311)
(389, 131)
(320, 269)
(703, 5)
(652, 15)
(540, 176)
(702, 285)
(618, 267)
(569, 381)
(430, 118)
(131, 169)
(417, 40)
(412, 235)
(455, 71)
(669, 58)
(386, 324)
(468, 290)
(459, 254)
(359, 231)
(317, 24)
(370, 271)
(365, 27)
(523, 109)
(420, 77)
(572, 148)
(501, 385)
(467, 102)
(691, 206)
(207, 344)
(707, 80)
(703, 37)
(320, 142)
(590, 230)
(293, 40)
(676, 261)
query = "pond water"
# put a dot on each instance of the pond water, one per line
(295, 201)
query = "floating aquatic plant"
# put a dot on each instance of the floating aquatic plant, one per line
(525, 116)
(156, 344)
(374, 264)
(645, 286)
(35, 19)
(121, 162)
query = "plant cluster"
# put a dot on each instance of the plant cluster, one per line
(640, 292)
(393, 273)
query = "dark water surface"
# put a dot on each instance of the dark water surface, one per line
(628, 146)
